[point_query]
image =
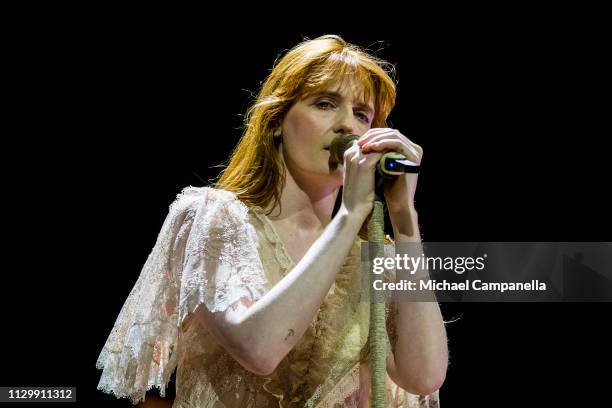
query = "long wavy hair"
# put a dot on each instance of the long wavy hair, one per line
(255, 172)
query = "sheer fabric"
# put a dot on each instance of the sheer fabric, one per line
(216, 252)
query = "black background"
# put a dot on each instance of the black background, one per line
(108, 118)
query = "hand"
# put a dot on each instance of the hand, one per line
(399, 194)
(358, 186)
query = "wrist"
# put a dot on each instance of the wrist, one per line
(352, 218)
(401, 208)
(405, 224)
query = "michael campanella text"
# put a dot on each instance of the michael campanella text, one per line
(432, 284)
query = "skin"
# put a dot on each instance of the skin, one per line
(262, 335)
(154, 401)
(420, 356)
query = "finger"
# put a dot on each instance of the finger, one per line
(370, 134)
(393, 134)
(362, 160)
(375, 141)
(394, 145)
(418, 148)
(353, 151)
(367, 162)
(378, 138)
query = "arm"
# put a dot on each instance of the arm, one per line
(155, 401)
(420, 356)
(260, 336)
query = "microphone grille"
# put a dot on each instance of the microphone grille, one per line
(338, 146)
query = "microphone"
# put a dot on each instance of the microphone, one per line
(338, 146)
(390, 165)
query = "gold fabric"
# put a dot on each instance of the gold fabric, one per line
(215, 252)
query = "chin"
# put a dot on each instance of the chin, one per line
(337, 174)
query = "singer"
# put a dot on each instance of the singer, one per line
(249, 291)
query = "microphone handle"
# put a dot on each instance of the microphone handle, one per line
(391, 164)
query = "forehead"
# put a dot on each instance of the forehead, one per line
(350, 89)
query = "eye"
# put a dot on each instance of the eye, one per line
(324, 104)
(363, 116)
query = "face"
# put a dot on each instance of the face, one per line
(312, 123)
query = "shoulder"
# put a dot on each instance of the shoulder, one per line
(193, 197)
(222, 205)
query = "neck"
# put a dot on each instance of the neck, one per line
(307, 200)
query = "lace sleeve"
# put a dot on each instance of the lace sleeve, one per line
(205, 253)
(222, 267)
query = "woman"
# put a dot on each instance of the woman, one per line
(249, 292)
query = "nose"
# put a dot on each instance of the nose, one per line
(345, 122)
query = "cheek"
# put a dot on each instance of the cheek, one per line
(304, 130)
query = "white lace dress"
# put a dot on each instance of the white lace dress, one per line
(213, 250)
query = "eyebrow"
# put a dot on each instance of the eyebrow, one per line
(337, 95)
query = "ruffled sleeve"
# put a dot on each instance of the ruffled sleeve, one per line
(206, 253)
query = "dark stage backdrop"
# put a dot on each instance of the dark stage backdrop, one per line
(114, 118)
